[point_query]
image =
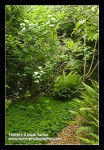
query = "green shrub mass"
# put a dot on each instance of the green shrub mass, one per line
(67, 86)
(42, 116)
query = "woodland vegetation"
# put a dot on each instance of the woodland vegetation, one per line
(52, 71)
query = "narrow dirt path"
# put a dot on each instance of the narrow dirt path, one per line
(68, 136)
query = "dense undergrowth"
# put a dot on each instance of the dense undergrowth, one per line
(51, 57)
(44, 115)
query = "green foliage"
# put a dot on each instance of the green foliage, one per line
(88, 108)
(40, 116)
(7, 103)
(41, 42)
(54, 37)
(83, 25)
(67, 86)
(30, 42)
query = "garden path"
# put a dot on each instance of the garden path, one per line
(68, 136)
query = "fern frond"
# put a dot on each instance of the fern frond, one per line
(94, 136)
(93, 123)
(74, 122)
(91, 91)
(95, 119)
(84, 128)
(87, 141)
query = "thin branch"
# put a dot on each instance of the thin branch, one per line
(92, 59)
(84, 58)
(92, 70)
(54, 78)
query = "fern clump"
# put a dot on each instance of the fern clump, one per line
(67, 86)
(87, 107)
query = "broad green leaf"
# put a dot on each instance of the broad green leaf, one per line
(71, 44)
(80, 23)
(95, 37)
(7, 86)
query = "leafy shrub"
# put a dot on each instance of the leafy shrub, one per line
(8, 102)
(88, 108)
(67, 86)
